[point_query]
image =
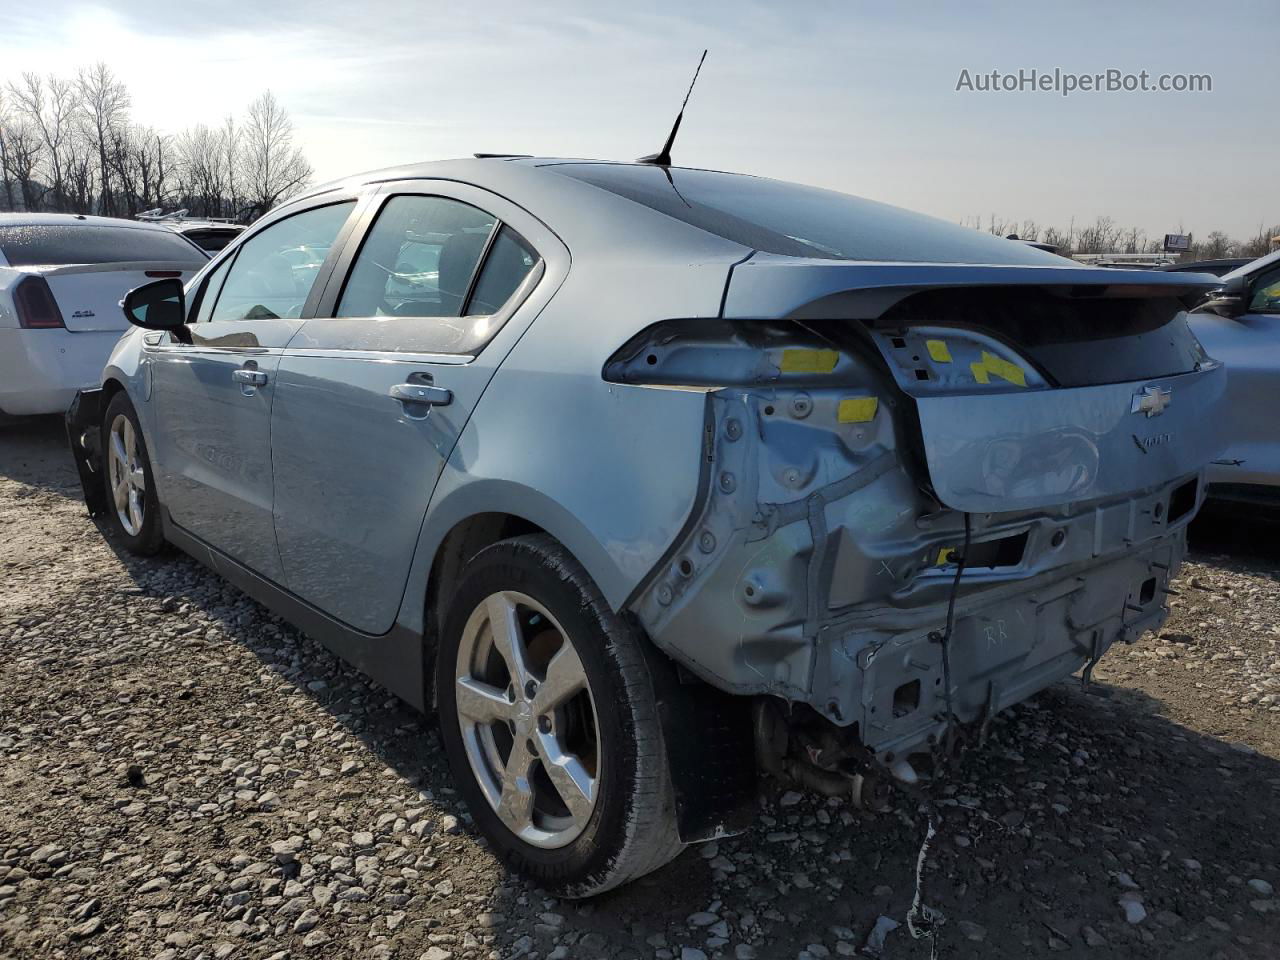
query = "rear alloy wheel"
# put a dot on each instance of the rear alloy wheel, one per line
(547, 712)
(133, 509)
(533, 746)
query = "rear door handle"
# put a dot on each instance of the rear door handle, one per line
(422, 393)
(253, 378)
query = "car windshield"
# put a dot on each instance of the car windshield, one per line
(44, 244)
(797, 221)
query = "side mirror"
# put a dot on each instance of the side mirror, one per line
(1229, 300)
(159, 305)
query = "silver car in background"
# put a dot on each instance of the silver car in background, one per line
(646, 479)
(1239, 324)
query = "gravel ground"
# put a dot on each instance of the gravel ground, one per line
(183, 775)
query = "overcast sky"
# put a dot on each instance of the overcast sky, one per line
(859, 97)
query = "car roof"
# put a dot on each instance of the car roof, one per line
(585, 216)
(596, 222)
(1253, 265)
(70, 219)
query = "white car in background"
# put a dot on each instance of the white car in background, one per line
(62, 277)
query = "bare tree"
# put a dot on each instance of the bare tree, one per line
(1059, 239)
(274, 169)
(201, 170)
(232, 155)
(20, 153)
(105, 102)
(1260, 243)
(48, 105)
(1216, 244)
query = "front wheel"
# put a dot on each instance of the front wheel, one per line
(548, 715)
(133, 511)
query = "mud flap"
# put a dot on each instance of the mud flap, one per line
(710, 752)
(84, 420)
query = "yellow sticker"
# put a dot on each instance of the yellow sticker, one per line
(857, 409)
(991, 364)
(945, 555)
(938, 350)
(809, 361)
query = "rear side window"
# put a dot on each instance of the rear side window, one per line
(274, 270)
(418, 260)
(796, 221)
(49, 244)
(509, 262)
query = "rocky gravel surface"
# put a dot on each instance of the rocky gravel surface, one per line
(183, 775)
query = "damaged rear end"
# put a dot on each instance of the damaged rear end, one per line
(928, 491)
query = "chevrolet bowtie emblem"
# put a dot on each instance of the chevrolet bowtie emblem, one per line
(1151, 401)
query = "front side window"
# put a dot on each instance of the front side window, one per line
(418, 260)
(212, 287)
(1266, 293)
(274, 271)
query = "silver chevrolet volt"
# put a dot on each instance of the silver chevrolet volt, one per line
(647, 480)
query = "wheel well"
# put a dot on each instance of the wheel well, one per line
(460, 544)
(110, 388)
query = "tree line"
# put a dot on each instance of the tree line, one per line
(68, 145)
(1104, 235)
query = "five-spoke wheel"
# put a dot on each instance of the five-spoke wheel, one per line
(528, 719)
(126, 474)
(548, 714)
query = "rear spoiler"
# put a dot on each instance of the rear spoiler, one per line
(84, 434)
(767, 285)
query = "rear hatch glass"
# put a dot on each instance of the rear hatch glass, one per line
(792, 220)
(48, 244)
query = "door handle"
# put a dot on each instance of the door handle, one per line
(422, 393)
(253, 378)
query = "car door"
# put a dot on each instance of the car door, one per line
(1249, 344)
(212, 389)
(372, 396)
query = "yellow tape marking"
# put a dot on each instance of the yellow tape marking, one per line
(809, 361)
(945, 555)
(991, 364)
(857, 409)
(938, 350)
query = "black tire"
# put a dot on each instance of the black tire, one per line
(632, 827)
(149, 539)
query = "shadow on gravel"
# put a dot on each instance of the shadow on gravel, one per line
(1079, 802)
(34, 451)
(1235, 533)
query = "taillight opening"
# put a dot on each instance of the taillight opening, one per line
(34, 303)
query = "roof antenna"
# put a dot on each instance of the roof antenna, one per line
(663, 157)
